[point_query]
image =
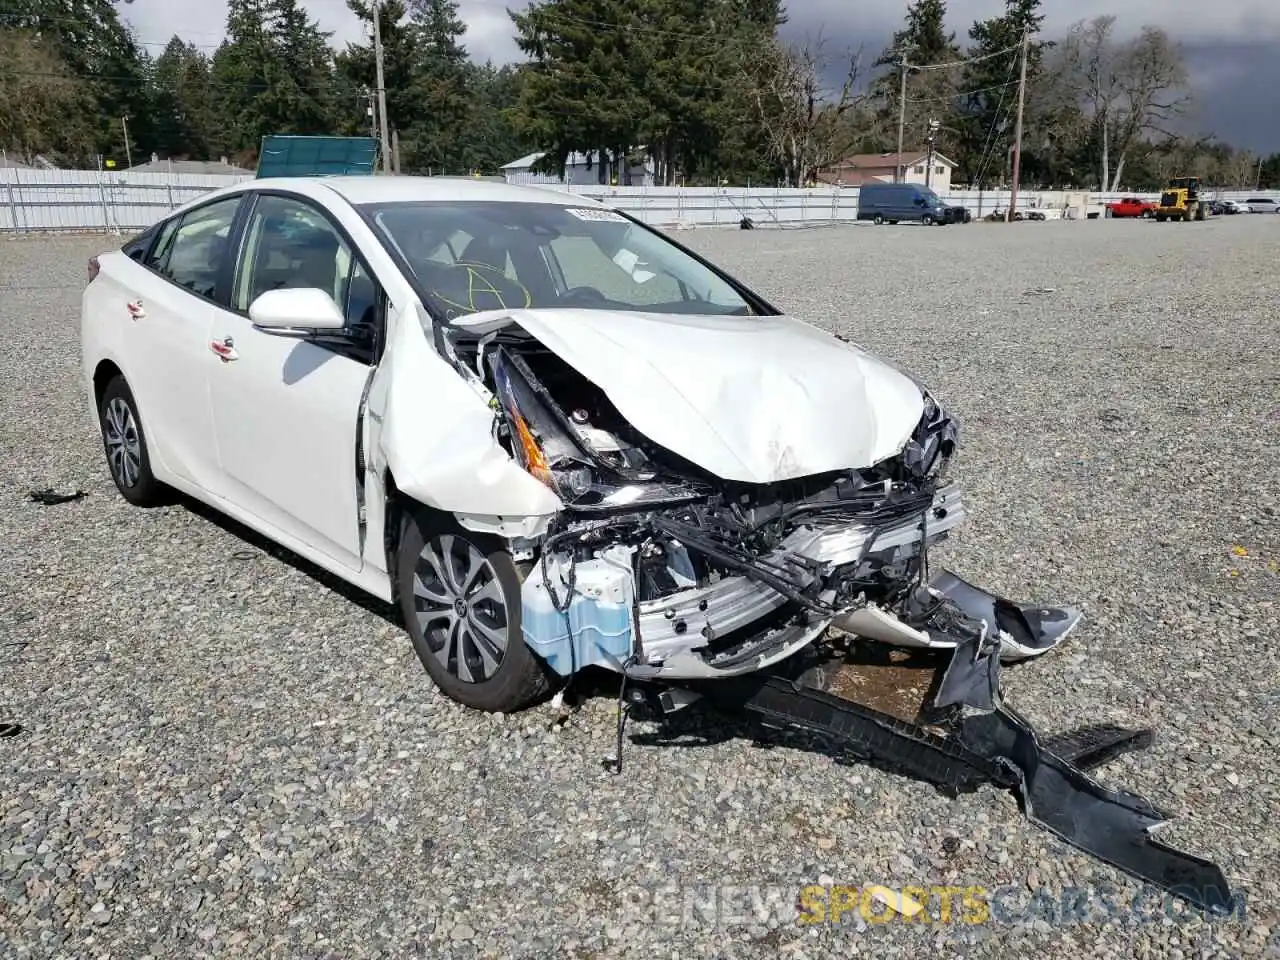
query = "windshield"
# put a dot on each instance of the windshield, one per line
(474, 256)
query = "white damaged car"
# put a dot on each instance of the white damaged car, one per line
(552, 435)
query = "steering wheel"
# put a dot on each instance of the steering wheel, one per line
(585, 296)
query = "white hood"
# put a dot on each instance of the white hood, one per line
(752, 399)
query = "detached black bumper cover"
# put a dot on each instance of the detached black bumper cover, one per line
(980, 740)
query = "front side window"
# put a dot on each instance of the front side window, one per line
(289, 245)
(194, 253)
(469, 257)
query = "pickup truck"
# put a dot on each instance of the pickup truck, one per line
(1131, 207)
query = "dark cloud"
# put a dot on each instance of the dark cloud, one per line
(1230, 51)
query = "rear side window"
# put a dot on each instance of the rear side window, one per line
(156, 258)
(194, 254)
(137, 246)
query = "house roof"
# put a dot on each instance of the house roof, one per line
(890, 159)
(156, 165)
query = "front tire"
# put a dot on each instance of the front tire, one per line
(926, 220)
(125, 444)
(878, 220)
(460, 602)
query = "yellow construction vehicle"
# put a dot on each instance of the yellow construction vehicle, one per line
(1181, 200)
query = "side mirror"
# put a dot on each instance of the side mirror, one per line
(299, 312)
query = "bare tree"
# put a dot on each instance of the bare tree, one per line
(1128, 90)
(807, 125)
(1242, 169)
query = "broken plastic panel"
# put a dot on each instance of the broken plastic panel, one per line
(581, 616)
(971, 738)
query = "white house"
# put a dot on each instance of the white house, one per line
(580, 169)
(870, 167)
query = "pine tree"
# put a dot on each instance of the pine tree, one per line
(438, 86)
(98, 49)
(986, 122)
(182, 103)
(297, 99)
(926, 43)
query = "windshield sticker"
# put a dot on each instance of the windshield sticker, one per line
(596, 215)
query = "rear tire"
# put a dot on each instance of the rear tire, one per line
(460, 602)
(926, 220)
(125, 444)
(877, 220)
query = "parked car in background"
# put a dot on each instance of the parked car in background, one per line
(914, 202)
(1131, 207)
(1229, 207)
(1262, 205)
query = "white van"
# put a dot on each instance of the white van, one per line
(1262, 205)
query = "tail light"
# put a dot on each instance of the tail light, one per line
(94, 267)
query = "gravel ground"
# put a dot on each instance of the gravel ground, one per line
(227, 754)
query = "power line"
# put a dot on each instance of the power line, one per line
(964, 63)
(962, 93)
(995, 120)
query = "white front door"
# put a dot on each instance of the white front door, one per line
(286, 411)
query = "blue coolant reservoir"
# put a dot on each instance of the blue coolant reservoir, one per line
(597, 628)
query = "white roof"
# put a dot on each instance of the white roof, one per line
(524, 163)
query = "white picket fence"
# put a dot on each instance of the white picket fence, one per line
(51, 201)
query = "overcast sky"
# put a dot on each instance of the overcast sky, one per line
(1230, 44)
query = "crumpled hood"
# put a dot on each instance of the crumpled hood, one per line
(752, 399)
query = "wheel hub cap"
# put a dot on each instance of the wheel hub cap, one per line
(459, 607)
(124, 446)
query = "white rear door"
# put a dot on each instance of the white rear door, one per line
(286, 412)
(171, 299)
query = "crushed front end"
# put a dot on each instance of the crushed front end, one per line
(660, 570)
(692, 586)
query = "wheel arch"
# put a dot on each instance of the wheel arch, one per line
(104, 373)
(396, 506)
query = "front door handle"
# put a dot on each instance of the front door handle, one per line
(225, 349)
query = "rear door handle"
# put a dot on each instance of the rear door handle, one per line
(225, 349)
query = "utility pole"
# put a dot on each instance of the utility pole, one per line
(1017, 130)
(933, 135)
(128, 150)
(902, 119)
(382, 88)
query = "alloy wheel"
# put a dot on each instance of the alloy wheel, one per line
(460, 609)
(124, 446)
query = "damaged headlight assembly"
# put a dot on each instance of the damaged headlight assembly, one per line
(590, 469)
